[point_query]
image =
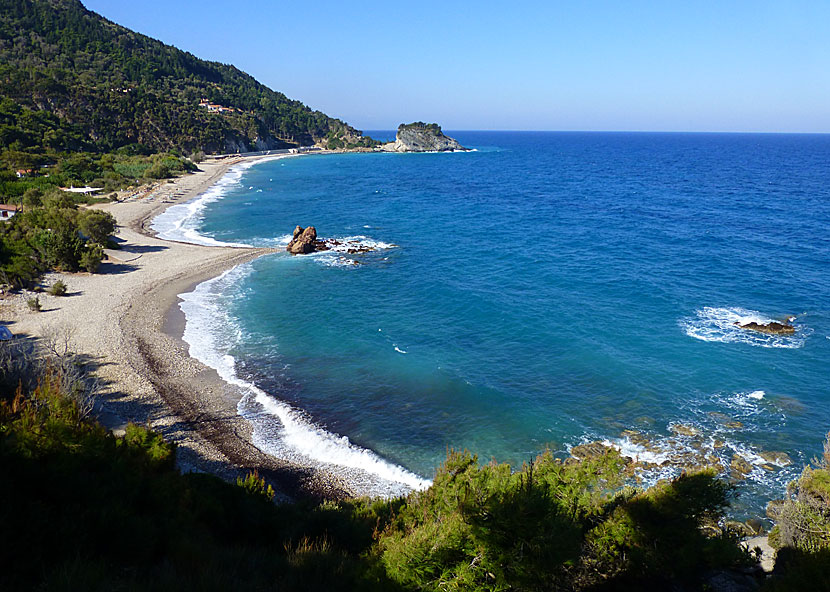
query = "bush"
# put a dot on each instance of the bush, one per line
(96, 225)
(92, 257)
(60, 248)
(34, 303)
(159, 170)
(803, 522)
(256, 485)
(58, 288)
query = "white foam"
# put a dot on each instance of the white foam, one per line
(280, 429)
(717, 324)
(399, 350)
(637, 452)
(357, 242)
(181, 222)
(335, 260)
(758, 395)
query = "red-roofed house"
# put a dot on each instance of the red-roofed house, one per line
(7, 211)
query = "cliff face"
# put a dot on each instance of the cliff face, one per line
(421, 137)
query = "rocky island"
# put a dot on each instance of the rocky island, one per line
(421, 137)
(771, 328)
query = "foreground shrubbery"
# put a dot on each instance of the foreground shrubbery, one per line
(554, 526)
(802, 532)
(83, 509)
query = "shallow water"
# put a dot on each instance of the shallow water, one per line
(546, 289)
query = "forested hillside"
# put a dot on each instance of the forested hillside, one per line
(72, 80)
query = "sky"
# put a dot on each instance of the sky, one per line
(754, 66)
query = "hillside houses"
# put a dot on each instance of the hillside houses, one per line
(7, 211)
(215, 108)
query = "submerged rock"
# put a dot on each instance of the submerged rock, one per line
(781, 459)
(772, 328)
(684, 430)
(590, 450)
(740, 467)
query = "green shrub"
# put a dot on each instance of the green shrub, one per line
(58, 288)
(256, 485)
(91, 258)
(33, 303)
(96, 225)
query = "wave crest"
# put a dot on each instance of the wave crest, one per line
(719, 325)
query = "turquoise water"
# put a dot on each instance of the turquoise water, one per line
(544, 290)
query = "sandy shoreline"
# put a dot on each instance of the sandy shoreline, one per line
(127, 321)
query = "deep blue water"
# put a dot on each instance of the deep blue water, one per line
(545, 289)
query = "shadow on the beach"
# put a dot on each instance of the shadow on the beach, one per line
(144, 248)
(110, 268)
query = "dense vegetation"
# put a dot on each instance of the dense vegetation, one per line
(91, 511)
(88, 84)
(51, 233)
(420, 125)
(802, 532)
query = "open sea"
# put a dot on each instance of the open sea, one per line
(544, 290)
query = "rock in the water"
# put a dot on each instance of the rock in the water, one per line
(772, 328)
(781, 459)
(741, 528)
(303, 242)
(590, 450)
(421, 137)
(740, 466)
(684, 430)
(755, 525)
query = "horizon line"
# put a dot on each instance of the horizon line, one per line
(759, 133)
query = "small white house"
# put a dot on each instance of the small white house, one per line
(8, 211)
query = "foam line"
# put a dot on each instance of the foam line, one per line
(280, 429)
(181, 222)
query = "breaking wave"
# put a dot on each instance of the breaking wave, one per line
(719, 325)
(181, 222)
(280, 429)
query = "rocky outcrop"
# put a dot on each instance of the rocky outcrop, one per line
(772, 328)
(421, 137)
(304, 241)
(740, 467)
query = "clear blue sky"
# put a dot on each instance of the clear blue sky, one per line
(576, 65)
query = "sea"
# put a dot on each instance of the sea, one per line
(541, 291)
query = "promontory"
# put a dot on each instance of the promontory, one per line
(421, 137)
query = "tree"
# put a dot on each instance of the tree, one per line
(96, 225)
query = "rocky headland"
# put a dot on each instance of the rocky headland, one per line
(421, 137)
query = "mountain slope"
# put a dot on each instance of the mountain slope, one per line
(110, 87)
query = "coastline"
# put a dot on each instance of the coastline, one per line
(126, 321)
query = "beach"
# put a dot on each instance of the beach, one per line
(126, 323)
